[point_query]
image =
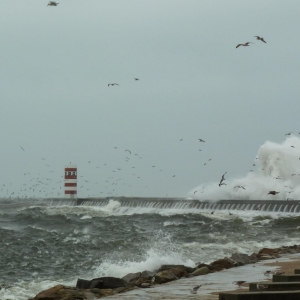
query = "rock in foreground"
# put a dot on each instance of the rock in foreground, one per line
(61, 292)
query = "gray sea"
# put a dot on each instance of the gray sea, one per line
(43, 245)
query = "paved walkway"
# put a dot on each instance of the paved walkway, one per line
(211, 283)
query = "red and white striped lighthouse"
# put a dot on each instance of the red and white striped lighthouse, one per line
(71, 181)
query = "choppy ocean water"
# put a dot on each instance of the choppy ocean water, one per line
(43, 245)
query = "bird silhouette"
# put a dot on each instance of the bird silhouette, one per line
(195, 289)
(273, 193)
(260, 39)
(267, 273)
(240, 187)
(52, 3)
(238, 283)
(222, 179)
(245, 44)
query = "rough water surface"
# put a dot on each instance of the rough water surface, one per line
(42, 245)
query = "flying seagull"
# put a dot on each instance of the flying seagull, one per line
(22, 148)
(52, 3)
(222, 179)
(136, 79)
(128, 151)
(273, 193)
(200, 140)
(239, 186)
(245, 44)
(260, 39)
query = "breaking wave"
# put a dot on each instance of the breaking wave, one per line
(277, 169)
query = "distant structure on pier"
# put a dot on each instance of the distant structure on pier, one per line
(71, 181)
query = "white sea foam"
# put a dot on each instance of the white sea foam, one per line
(85, 217)
(153, 260)
(84, 211)
(24, 290)
(161, 250)
(209, 252)
(277, 169)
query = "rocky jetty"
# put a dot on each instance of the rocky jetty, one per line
(106, 286)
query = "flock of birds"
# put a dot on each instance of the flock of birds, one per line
(248, 43)
(240, 186)
(112, 84)
(114, 181)
(117, 177)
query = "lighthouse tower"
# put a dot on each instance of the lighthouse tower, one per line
(71, 181)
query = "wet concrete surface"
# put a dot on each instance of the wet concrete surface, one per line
(211, 283)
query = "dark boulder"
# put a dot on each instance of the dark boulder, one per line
(114, 282)
(267, 253)
(61, 292)
(179, 272)
(163, 277)
(200, 265)
(132, 276)
(223, 263)
(149, 274)
(139, 278)
(168, 267)
(141, 281)
(89, 284)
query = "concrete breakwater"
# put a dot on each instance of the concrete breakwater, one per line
(186, 204)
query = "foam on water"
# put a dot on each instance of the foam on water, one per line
(25, 290)
(277, 169)
(161, 250)
(84, 212)
(152, 260)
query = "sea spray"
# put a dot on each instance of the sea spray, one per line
(277, 169)
(159, 250)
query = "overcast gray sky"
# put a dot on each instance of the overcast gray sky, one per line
(56, 63)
